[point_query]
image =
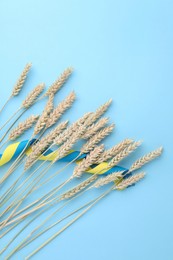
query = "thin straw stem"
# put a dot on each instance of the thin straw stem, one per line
(68, 224)
(15, 113)
(5, 104)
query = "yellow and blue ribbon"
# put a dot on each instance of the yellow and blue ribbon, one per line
(15, 149)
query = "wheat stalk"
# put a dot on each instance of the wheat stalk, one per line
(91, 130)
(108, 154)
(90, 144)
(20, 82)
(22, 127)
(145, 159)
(90, 159)
(130, 181)
(60, 109)
(59, 82)
(123, 154)
(44, 116)
(32, 96)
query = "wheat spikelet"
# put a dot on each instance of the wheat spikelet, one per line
(19, 84)
(108, 154)
(60, 109)
(63, 137)
(145, 159)
(124, 153)
(130, 181)
(22, 127)
(79, 187)
(91, 130)
(91, 158)
(91, 143)
(65, 148)
(33, 95)
(43, 144)
(59, 82)
(98, 113)
(106, 180)
(45, 115)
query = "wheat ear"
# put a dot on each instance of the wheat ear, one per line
(91, 143)
(44, 116)
(123, 154)
(20, 82)
(106, 180)
(146, 159)
(108, 154)
(22, 127)
(32, 96)
(59, 82)
(63, 137)
(44, 144)
(130, 181)
(60, 109)
(16, 90)
(65, 148)
(90, 159)
(91, 130)
(98, 113)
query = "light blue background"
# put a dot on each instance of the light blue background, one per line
(121, 50)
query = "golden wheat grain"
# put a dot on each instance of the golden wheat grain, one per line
(91, 143)
(90, 159)
(44, 144)
(22, 127)
(123, 154)
(33, 95)
(145, 159)
(59, 82)
(108, 154)
(91, 130)
(60, 109)
(44, 116)
(20, 82)
(78, 188)
(98, 113)
(130, 181)
(106, 180)
(65, 148)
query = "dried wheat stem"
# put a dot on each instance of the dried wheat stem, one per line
(68, 224)
(145, 159)
(62, 151)
(60, 109)
(59, 82)
(123, 154)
